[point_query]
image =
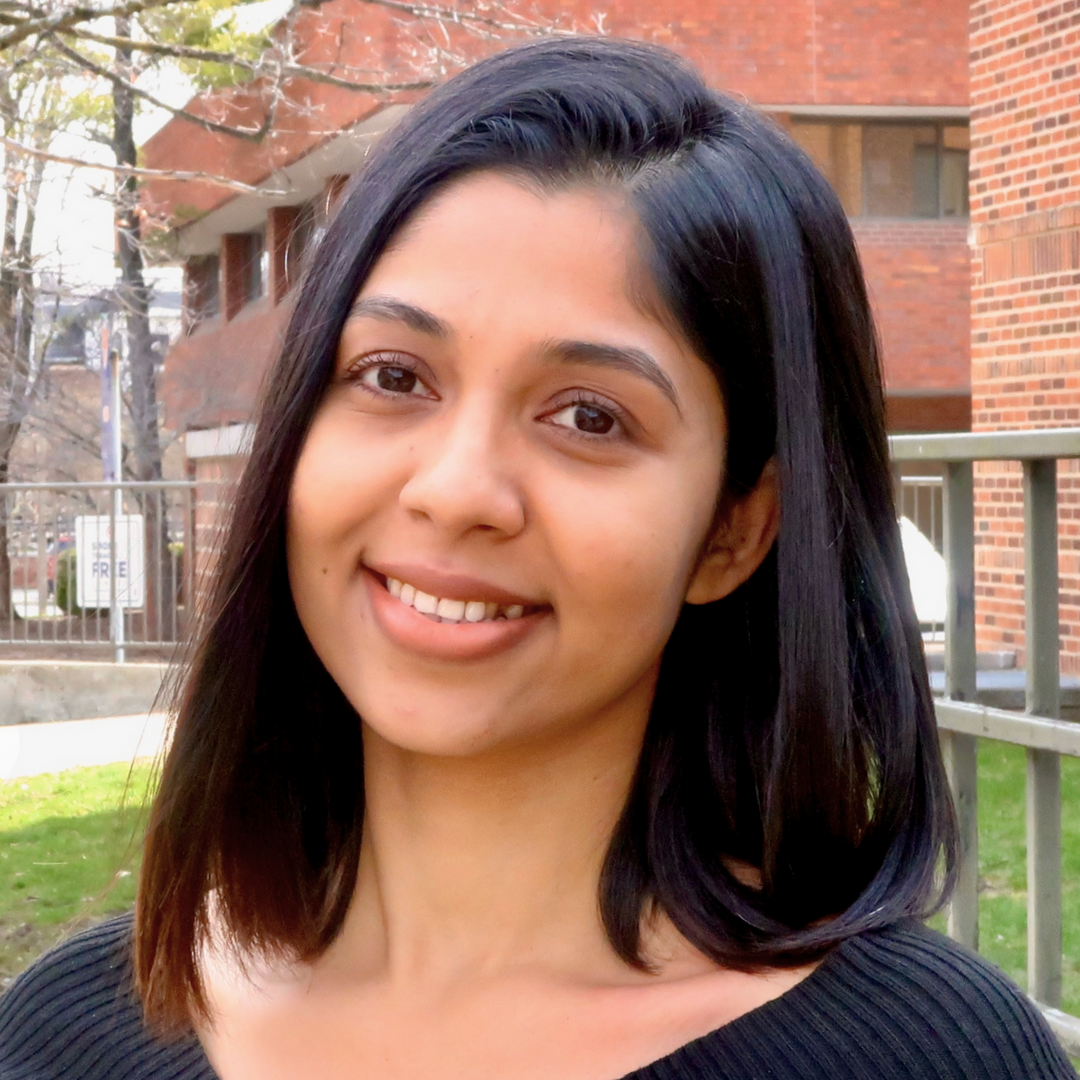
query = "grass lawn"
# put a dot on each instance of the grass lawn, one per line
(1003, 867)
(68, 854)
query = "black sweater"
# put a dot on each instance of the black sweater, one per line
(902, 1004)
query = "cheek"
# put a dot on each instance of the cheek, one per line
(628, 548)
(335, 489)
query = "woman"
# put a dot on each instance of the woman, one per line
(561, 711)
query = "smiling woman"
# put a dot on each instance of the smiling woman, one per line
(561, 709)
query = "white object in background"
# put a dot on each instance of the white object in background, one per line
(31, 749)
(92, 561)
(926, 572)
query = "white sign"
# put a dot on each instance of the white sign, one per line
(93, 558)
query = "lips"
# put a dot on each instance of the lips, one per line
(449, 617)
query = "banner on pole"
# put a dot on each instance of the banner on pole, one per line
(93, 551)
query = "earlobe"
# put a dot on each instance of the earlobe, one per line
(743, 537)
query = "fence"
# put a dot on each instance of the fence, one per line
(963, 722)
(96, 564)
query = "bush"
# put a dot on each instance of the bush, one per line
(65, 583)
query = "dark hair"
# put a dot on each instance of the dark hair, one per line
(792, 727)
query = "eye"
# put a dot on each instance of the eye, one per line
(588, 419)
(390, 379)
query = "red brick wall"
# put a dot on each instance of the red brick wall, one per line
(919, 277)
(1025, 212)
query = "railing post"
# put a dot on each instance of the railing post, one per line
(961, 751)
(1043, 699)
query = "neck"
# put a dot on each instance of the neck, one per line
(476, 866)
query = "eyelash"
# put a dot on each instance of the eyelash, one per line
(576, 398)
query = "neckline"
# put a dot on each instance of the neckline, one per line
(822, 975)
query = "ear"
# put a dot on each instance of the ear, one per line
(745, 531)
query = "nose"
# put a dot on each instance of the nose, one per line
(462, 481)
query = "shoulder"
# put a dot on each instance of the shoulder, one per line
(74, 1014)
(902, 1002)
(911, 995)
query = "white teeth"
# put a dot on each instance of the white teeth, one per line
(454, 610)
(425, 603)
(473, 611)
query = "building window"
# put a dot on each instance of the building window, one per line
(202, 289)
(306, 232)
(891, 168)
(254, 266)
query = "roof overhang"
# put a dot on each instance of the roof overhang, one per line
(874, 112)
(293, 184)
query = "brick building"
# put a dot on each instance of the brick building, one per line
(877, 94)
(1025, 217)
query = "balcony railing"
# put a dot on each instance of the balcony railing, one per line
(1038, 728)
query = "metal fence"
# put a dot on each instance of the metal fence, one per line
(922, 503)
(96, 564)
(963, 722)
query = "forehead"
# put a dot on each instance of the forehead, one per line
(493, 242)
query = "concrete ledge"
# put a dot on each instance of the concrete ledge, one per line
(38, 691)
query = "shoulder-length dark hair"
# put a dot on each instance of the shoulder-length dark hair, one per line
(792, 728)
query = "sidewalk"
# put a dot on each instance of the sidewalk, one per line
(29, 749)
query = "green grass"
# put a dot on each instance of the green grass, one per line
(1003, 866)
(68, 854)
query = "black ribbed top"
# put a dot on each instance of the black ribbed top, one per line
(901, 1004)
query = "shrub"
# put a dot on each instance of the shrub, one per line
(65, 582)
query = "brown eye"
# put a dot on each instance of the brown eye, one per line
(397, 380)
(588, 419)
(392, 379)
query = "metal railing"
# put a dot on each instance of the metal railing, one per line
(963, 722)
(102, 564)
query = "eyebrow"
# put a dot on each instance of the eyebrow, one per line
(388, 309)
(621, 358)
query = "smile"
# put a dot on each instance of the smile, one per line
(451, 611)
(451, 628)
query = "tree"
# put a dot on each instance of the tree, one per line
(30, 111)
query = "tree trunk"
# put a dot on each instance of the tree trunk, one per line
(12, 386)
(135, 301)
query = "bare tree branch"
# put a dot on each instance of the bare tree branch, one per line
(249, 134)
(37, 22)
(455, 15)
(147, 174)
(289, 71)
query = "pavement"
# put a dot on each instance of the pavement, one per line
(30, 749)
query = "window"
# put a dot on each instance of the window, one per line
(202, 289)
(891, 168)
(255, 266)
(305, 234)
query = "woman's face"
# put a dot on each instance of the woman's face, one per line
(499, 509)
